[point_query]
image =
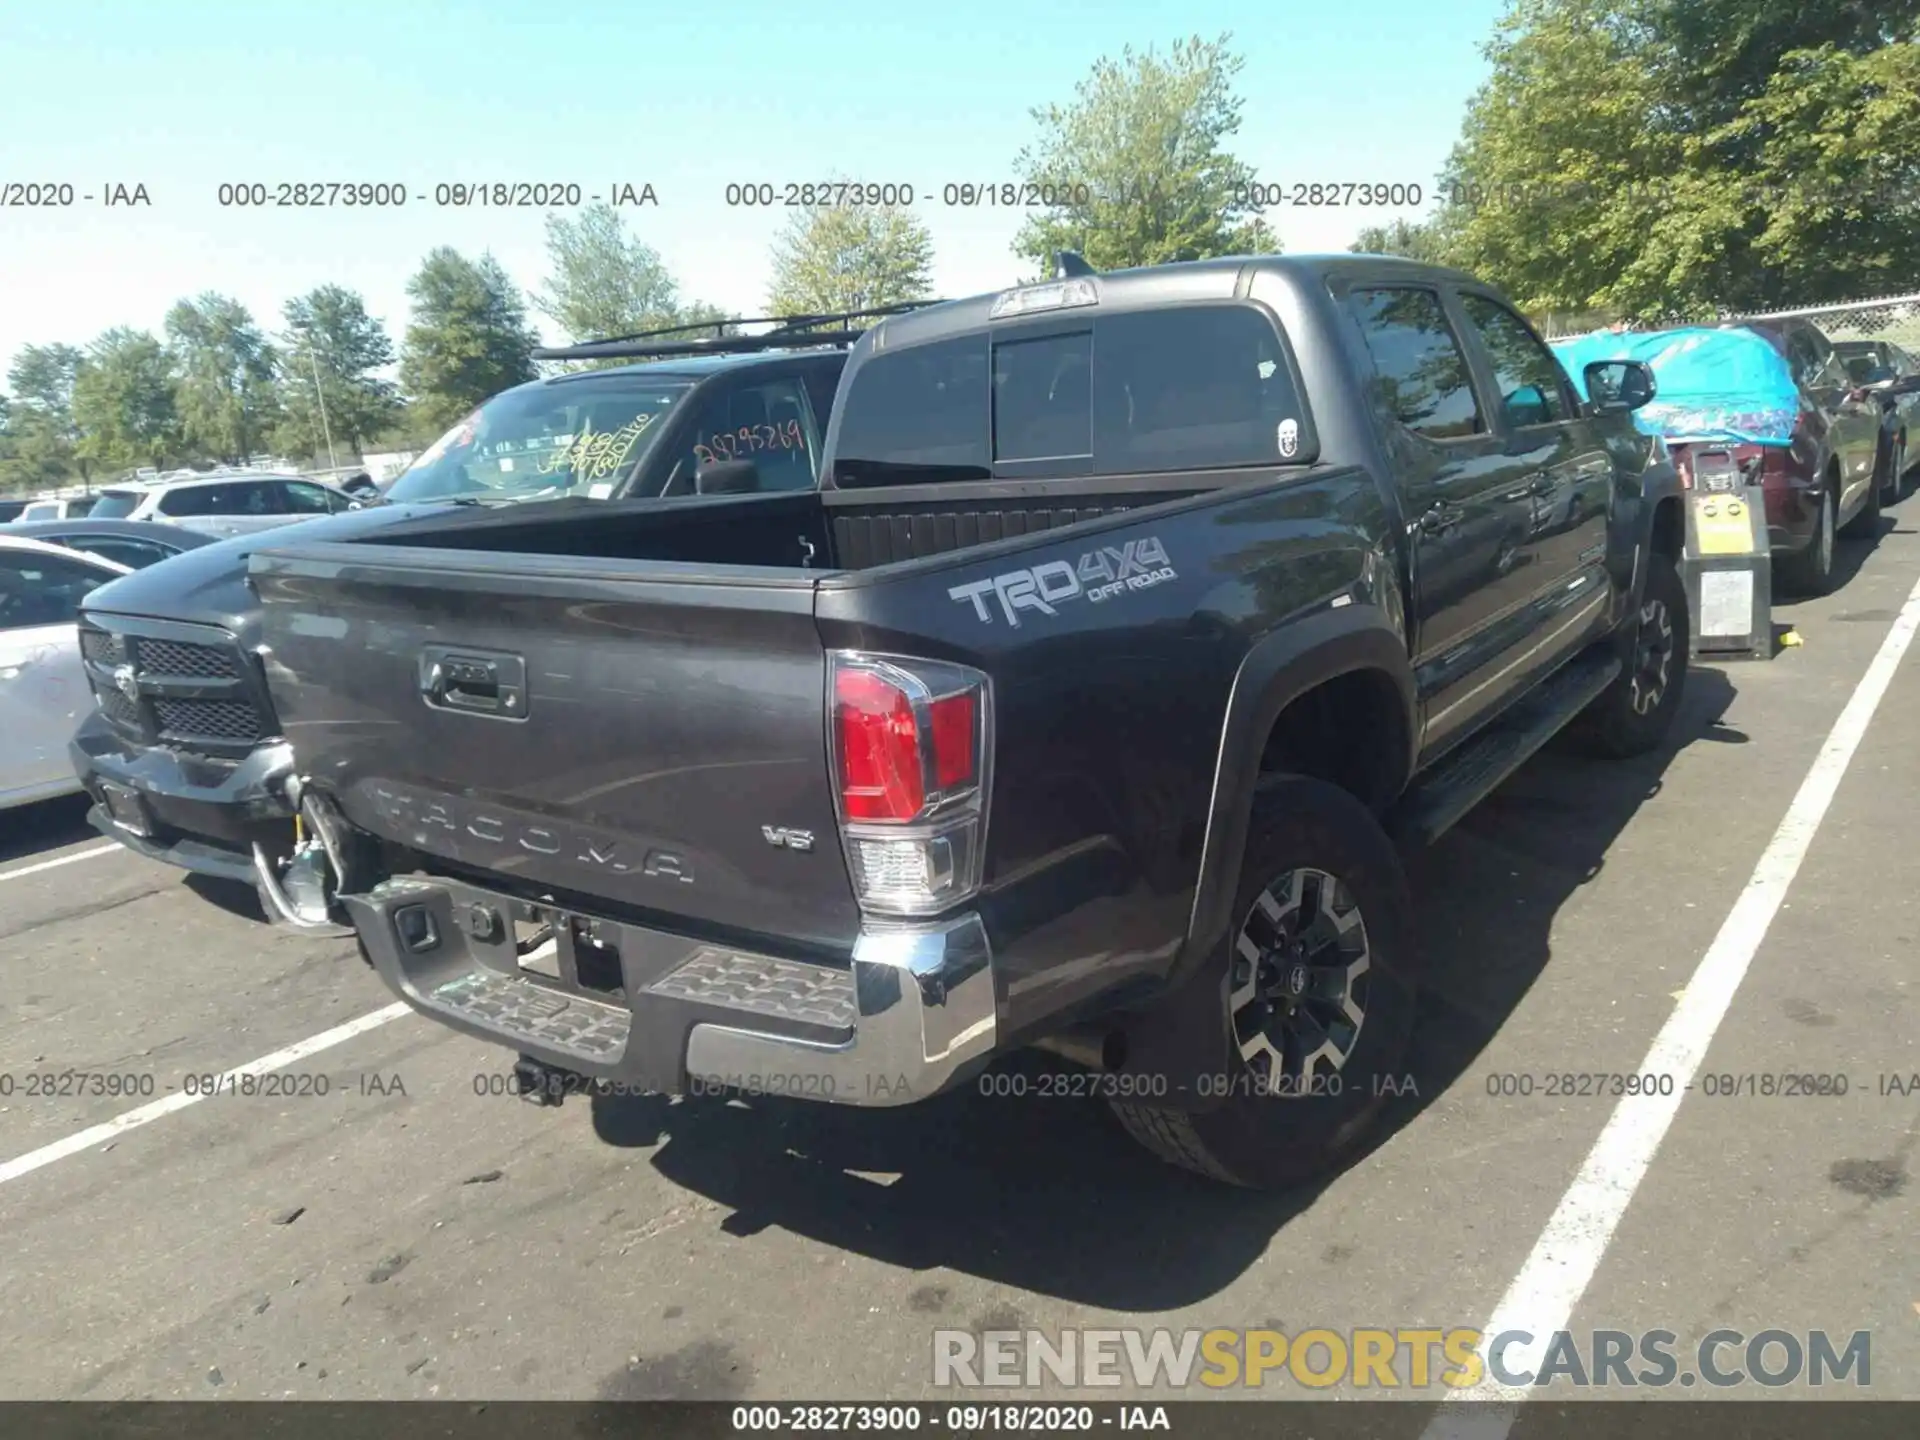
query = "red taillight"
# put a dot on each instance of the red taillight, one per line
(911, 750)
(879, 745)
(884, 758)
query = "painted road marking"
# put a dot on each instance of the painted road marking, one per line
(168, 1104)
(1542, 1297)
(26, 870)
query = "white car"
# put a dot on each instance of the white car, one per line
(233, 504)
(70, 508)
(43, 686)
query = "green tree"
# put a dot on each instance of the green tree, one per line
(1675, 158)
(604, 280)
(1140, 157)
(1416, 240)
(830, 259)
(43, 438)
(225, 377)
(123, 401)
(328, 389)
(469, 338)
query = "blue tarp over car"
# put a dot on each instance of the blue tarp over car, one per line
(1712, 386)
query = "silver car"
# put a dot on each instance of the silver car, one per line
(233, 504)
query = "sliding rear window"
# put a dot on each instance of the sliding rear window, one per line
(1194, 387)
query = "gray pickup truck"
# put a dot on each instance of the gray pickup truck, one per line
(1137, 621)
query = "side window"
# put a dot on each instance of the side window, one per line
(304, 499)
(44, 589)
(1193, 387)
(767, 424)
(916, 415)
(1526, 372)
(134, 554)
(1421, 371)
(192, 500)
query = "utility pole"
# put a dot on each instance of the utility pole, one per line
(320, 396)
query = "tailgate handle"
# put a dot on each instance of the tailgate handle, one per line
(476, 682)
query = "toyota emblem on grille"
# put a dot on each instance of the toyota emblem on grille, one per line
(124, 682)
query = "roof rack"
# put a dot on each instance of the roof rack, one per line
(789, 331)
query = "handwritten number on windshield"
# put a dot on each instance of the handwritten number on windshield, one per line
(594, 455)
(736, 444)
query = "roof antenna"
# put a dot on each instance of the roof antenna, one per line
(1069, 263)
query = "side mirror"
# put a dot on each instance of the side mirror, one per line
(355, 505)
(1615, 387)
(727, 477)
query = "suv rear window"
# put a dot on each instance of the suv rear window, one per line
(1176, 388)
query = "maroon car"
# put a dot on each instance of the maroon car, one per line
(1828, 482)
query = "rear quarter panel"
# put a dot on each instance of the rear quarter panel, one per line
(1109, 711)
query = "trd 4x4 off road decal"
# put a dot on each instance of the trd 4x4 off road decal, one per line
(1100, 575)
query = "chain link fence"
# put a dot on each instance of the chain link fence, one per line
(1894, 318)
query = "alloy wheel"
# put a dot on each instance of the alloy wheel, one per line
(1652, 657)
(1299, 989)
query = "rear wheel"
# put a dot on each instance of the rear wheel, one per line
(1320, 998)
(1810, 571)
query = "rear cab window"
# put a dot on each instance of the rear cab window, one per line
(1198, 386)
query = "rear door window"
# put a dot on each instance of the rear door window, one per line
(192, 500)
(1420, 371)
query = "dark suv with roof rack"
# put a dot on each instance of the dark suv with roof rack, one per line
(184, 756)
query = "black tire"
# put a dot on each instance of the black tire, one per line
(1633, 715)
(1810, 571)
(1272, 1135)
(1896, 483)
(1866, 524)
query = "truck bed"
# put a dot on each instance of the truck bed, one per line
(808, 530)
(669, 672)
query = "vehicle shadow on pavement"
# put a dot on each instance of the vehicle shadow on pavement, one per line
(29, 831)
(1048, 1194)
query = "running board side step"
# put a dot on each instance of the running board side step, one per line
(1438, 799)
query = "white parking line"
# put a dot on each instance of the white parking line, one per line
(1542, 1297)
(167, 1104)
(26, 870)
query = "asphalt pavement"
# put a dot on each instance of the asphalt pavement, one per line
(384, 1223)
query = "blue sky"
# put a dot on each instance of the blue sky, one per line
(182, 96)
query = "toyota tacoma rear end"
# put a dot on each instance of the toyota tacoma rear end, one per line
(1135, 618)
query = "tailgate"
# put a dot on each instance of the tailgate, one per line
(629, 732)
